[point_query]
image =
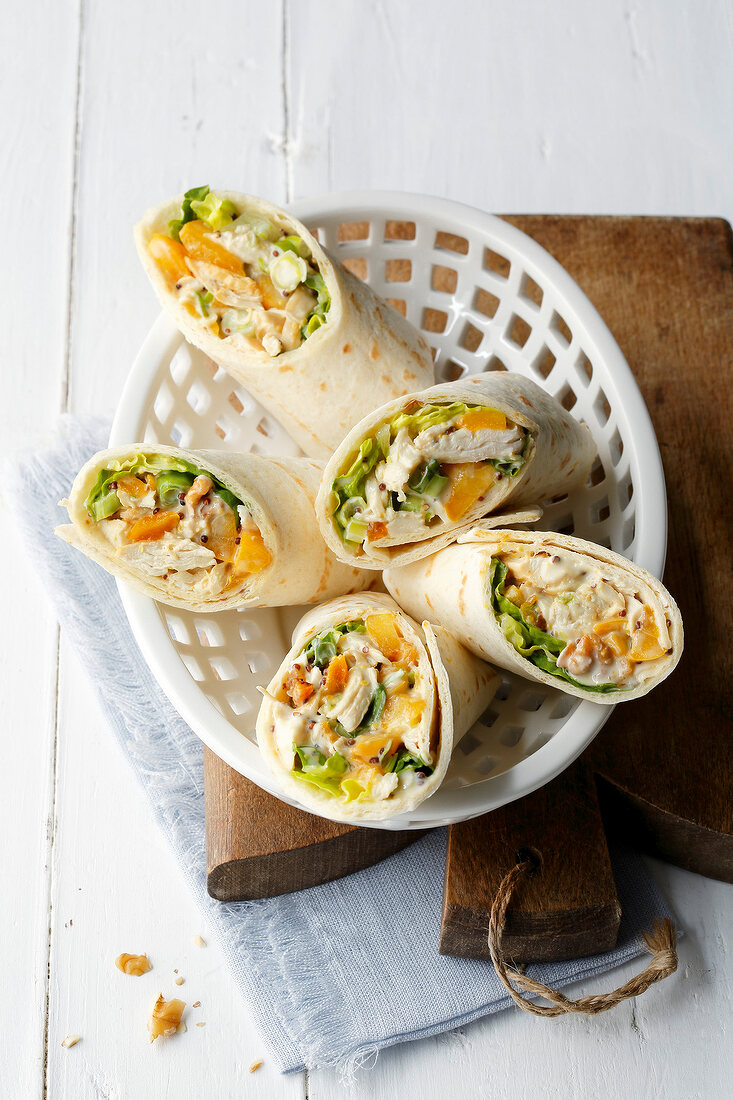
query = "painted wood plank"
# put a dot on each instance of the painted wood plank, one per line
(508, 107)
(160, 112)
(176, 106)
(36, 165)
(522, 107)
(117, 888)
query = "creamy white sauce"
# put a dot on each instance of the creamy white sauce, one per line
(567, 596)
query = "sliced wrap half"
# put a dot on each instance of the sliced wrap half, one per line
(415, 473)
(360, 720)
(206, 530)
(551, 607)
(249, 285)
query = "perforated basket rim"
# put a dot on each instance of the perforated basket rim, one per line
(582, 725)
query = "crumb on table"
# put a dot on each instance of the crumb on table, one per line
(133, 964)
(165, 1018)
(255, 1066)
(70, 1040)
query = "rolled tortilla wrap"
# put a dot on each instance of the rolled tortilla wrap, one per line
(359, 721)
(318, 353)
(414, 474)
(206, 530)
(550, 607)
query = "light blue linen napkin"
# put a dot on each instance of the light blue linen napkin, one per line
(321, 996)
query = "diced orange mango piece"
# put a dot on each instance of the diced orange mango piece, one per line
(336, 675)
(383, 629)
(618, 641)
(151, 527)
(170, 256)
(252, 554)
(198, 240)
(610, 625)
(645, 645)
(477, 420)
(369, 745)
(271, 296)
(377, 530)
(469, 480)
(132, 485)
(401, 712)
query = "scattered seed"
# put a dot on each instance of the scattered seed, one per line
(179, 981)
(201, 1023)
(199, 941)
(254, 1066)
(196, 1004)
(70, 1040)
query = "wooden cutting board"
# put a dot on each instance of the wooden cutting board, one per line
(660, 772)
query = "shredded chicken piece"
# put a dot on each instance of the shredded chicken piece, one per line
(272, 345)
(238, 291)
(300, 303)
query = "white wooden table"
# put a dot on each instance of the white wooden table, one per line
(526, 107)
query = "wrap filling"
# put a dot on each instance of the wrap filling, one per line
(429, 465)
(245, 279)
(167, 518)
(564, 615)
(354, 715)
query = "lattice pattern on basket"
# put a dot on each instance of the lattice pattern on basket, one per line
(480, 310)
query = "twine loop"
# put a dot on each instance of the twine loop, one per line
(660, 942)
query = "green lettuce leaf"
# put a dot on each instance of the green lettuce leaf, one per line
(318, 770)
(102, 501)
(214, 210)
(314, 281)
(295, 244)
(540, 648)
(398, 761)
(428, 416)
(351, 484)
(322, 648)
(187, 214)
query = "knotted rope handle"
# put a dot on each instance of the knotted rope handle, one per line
(661, 943)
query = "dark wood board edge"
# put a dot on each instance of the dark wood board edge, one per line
(264, 876)
(665, 835)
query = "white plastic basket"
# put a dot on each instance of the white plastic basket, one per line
(503, 302)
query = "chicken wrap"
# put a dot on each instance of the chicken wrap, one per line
(206, 530)
(415, 473)
(551, 607)
(250, 286)
(360, 720)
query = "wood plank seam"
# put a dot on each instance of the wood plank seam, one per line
(65, 398)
